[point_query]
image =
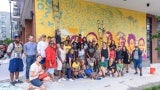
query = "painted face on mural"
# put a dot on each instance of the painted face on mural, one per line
(122, 41)
(141, 44)
(132, 44)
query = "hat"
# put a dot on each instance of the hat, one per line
(16, 35)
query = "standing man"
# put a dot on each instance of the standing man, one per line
(41, 46)
(137, 59)
(14, 51)
(30, 49)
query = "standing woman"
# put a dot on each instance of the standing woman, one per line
(61, 59)
(105, 52)
(112, 44)
(69, 61)
(58, 37)
(51, 63)
(125, 55)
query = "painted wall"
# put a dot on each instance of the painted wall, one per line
(43, 16)
(126, 27)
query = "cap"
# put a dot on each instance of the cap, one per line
(16, 35)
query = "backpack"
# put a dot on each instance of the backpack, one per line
(14, 46)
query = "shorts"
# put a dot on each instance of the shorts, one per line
(137, 63)
(50, 70)
(59, 65)
(43, 61)
(16, 65)
(36, 82)
(91, 61)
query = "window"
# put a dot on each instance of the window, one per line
(2, 23)
(4, 36)
(3, 29)
(3, 17)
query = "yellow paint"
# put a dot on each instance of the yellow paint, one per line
(79, 16)
(41, 18)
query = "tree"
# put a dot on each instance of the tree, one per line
(7, 41)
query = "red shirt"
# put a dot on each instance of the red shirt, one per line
(112, 54)
(51, 57)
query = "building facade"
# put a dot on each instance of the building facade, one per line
(5, 25)
(124, 26)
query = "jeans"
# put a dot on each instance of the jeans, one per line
(106, 60)
(30, 59)
(69, 73)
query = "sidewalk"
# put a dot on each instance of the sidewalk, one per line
(128, 81)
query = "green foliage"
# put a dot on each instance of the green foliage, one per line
(158, 17)
(153, 88)
(7, 41)
(157, 36)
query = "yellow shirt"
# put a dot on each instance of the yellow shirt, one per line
(66, 48)
(75, 65)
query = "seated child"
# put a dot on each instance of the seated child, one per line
(119, 67)
(82, 69)
(89, 72)
(76, 67)
(102, 67)
(112, 68)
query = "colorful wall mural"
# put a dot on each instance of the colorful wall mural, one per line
(125, 27)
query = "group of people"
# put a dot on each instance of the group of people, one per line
(74, 58)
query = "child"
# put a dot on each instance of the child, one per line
(119, 67)
(76, 67)
(112, 68)
(82, 69)
(102, 67)
(89, 72)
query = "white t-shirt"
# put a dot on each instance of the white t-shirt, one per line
(41, 46)
(81, 52)
(36, 69)
(17, 52)
(63, 54)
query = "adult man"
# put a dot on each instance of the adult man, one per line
(30, 49)
(16, 64)
(41, 46)
(137, 59)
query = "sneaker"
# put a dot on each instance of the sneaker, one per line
(19, 81)
(27, 80)
(140, 74)
(85, 77)
(59, 80)
(71, 80)
(136, 73)
(12, 83)
(63, 79)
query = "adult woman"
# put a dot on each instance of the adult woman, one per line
(69, 60)
(51, 62)
(35, 71)
(105, 51)
(125, 55)
(112, 44)
(61, 62)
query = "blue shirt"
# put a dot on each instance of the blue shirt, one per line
(69, 56)
(30, 48)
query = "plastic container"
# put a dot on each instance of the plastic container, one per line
(152, 70)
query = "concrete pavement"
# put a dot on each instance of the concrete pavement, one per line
(128, 81)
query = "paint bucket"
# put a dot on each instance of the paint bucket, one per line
(152, 70)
